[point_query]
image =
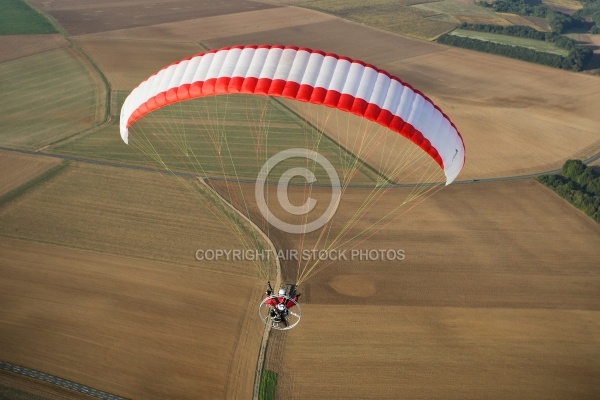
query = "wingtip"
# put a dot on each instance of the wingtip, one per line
(125, 136)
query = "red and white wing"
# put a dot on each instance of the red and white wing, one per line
(310, 76)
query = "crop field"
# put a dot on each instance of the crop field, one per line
(222, 136)
(446, 221)
(132, 327)
(18, 18)
(509, 130)
(194, 30)
(13, 47)
(18, 169)
(113, 56)
(468, 307)
(53, 95)
(463, 12)
(441, 353)
(474, 325)
(337, 36)
(393, 16)
(100, 208)
(497, 296)
(538, 45)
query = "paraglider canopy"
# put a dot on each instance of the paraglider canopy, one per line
(305, 75)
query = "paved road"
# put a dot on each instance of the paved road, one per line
(55, 380)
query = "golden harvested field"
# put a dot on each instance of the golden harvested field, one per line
(128, 56)
(116, 56)
(18, 168)
(467, 245)
(497, 297)
(385, 351)
(132, 213)
(533, 124)
(138, 329)
(481, 245)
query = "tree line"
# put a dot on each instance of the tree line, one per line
(591, 9)
(559, 22)
(575, 60)
(578, 184)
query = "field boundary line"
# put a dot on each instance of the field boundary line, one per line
(85, 58)
(55, 380)
(265, 339)
(33, 182)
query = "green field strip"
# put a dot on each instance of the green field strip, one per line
(268, 385)
(538, 45)
(17, 17)
(48, 97)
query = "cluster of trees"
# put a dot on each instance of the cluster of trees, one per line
(574, 61)
(591, 9)
(559, 22)
(579, 184)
